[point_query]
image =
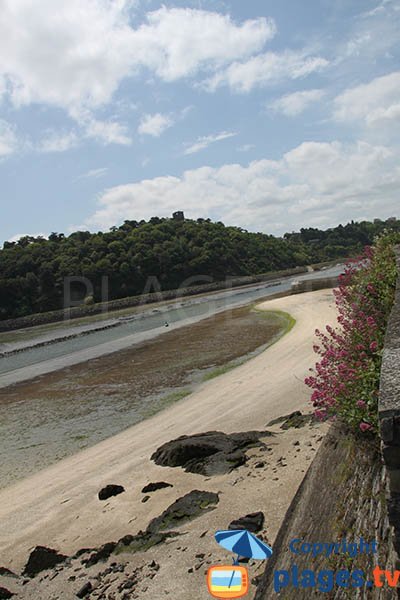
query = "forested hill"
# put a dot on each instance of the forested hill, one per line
(32, 270)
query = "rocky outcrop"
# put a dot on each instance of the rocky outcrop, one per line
(41, 559)
(210, 453)
(253, 522)
(129, 543)
(153, 487)
(184, 509)
(295, 419)
(110, 490)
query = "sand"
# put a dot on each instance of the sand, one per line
(58, 506)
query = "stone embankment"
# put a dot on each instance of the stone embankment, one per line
(351, 491)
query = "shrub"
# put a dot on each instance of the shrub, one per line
(345, 381)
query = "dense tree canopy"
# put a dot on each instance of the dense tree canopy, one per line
(32, 270)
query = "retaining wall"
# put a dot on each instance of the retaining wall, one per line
(352, 490)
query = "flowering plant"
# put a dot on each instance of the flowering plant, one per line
(345, 381)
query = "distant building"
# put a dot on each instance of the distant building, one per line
(178, 215)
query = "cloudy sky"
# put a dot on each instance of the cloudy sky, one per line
(269, 115)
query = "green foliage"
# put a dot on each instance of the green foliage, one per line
(346, 379)
(32, 270)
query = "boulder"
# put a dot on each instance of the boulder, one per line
(85, 590)
(7, 573)
(143, 541)
(101, 554)
(253, 522)
(110, 490)
(295, 419)
(190, 506)
(210, 453)
(153, 487)
(41, 559)
(5, 594)
(129, 543)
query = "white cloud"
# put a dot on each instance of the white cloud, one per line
(155, 125)
(75, 54)
(64, 54)
(315, 183)
(265, 69)
(94, 173)
(373, 103)
(108, 132)
(58, 142)
(8, 139)
(205, 141)
(176, 43)
(294, 104)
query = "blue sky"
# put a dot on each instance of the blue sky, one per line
(269, 115)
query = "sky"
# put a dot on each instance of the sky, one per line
(270, 115)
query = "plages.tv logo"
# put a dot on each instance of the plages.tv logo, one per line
(232, 581)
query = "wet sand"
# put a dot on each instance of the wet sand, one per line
(53, 416)
(58, 506)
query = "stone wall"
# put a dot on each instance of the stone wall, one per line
(389, 412)
(343, 496)
(351, 490)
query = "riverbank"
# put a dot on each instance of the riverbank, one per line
(54, 416)
(58, 507)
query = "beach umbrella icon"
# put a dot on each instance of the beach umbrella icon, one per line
(243, 543)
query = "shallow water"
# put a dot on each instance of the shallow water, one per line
(53, 416)
(150, 321)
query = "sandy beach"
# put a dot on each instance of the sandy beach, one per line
(58, 507)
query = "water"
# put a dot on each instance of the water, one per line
(44, 359)
(51, 417)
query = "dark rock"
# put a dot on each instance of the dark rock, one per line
(184, 509)
(85, 590)
(210, 453)
(153, 487)
(259, 465)
(101, 554)
(126, 540)
(109, 491)
(5, 594)
(7, 573)
(145, 499)
(256, 580)
(83, 551)
(142, 541)
(41, 559)
(253, 522)
(293, 420)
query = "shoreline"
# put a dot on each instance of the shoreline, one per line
(56, 416)
(58, 506)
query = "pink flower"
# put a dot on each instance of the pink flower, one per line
(365, 426)
(373, 346)
(361, 404)
(320, 414)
